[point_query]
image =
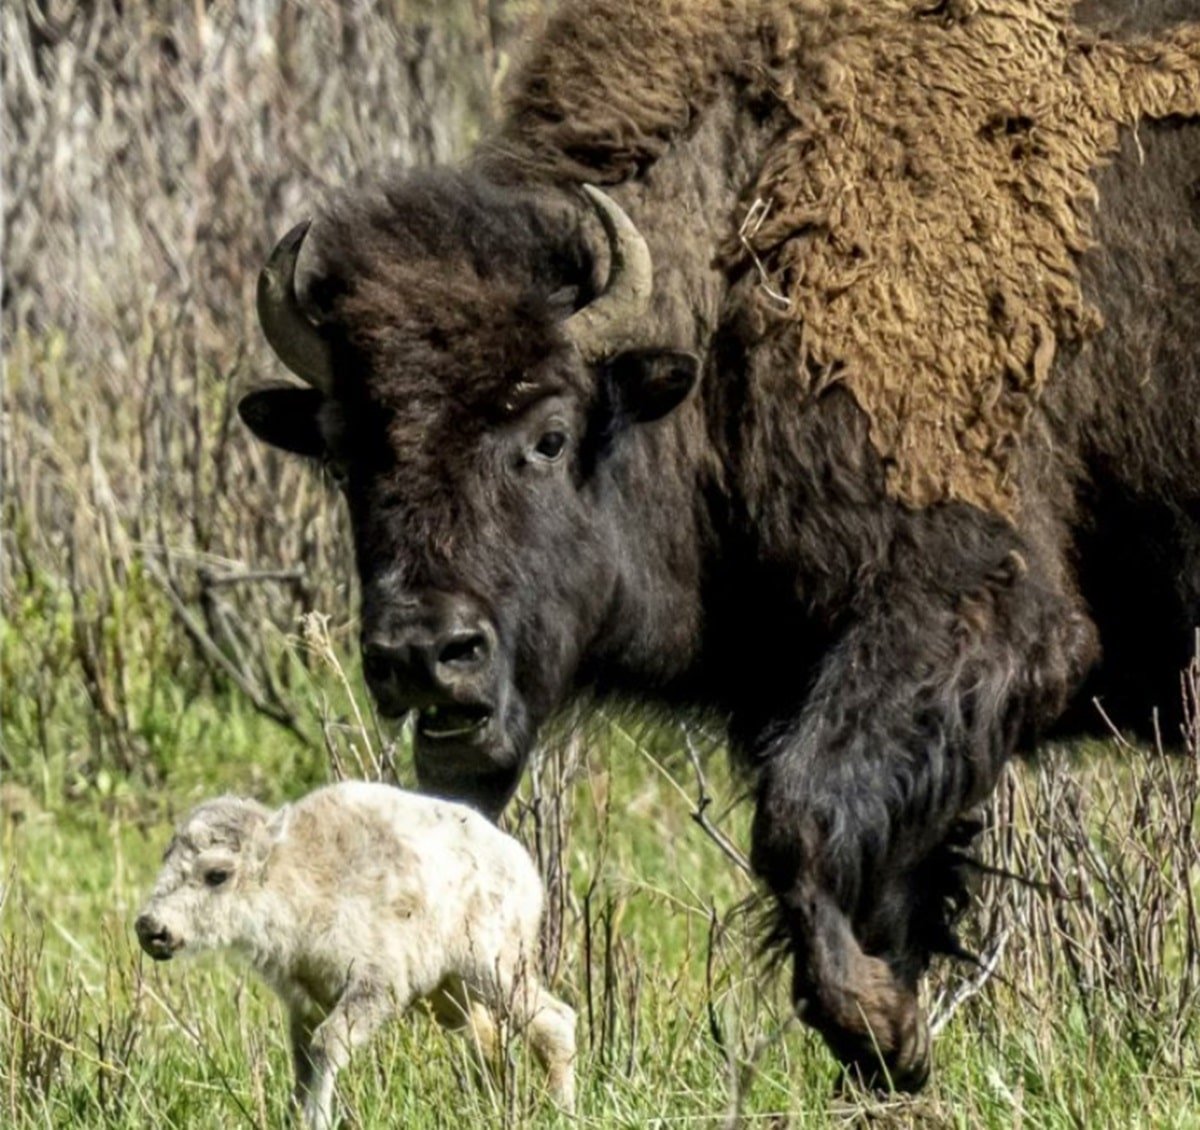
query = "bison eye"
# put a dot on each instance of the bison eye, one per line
(216, 876)
(551, 446)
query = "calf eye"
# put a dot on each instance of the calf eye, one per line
(551, 446)
(216, 876)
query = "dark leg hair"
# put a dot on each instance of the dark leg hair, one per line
(862, 800)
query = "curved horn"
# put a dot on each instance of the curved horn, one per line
(604, 325)
(296, 340)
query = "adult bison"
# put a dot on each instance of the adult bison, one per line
(844, 413)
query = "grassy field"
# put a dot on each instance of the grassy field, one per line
(1087, 1020)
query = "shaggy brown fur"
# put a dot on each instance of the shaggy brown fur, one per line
(920, 210)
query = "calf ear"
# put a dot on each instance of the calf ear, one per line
(270, 833)
(647, 384)
(286, 417)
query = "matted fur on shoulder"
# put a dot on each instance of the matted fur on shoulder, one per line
(921, 210)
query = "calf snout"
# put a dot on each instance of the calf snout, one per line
(429, 650)
(155, 937)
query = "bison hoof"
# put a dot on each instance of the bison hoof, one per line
(903, 1069)
(873, 1024)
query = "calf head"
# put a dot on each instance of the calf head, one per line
(216, 853)
(471, 383)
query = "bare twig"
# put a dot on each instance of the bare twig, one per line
(252, 576)
(949, 1002)
(700, 811)
(277, 712)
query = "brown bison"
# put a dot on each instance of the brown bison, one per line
(842, 412)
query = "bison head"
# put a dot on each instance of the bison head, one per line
(473, 385)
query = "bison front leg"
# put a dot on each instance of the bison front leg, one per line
(863, 800)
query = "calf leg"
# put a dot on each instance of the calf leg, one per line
(906, 728)
(457, 1010)
(550, 1027)
(362, 1008)
(548, 1023)
(300, 1031)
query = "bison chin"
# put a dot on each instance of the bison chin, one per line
(477, 761)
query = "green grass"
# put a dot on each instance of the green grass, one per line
(99, 1036)
(674, 1003)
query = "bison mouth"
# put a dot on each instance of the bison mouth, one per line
(157, 940)
(457, 723)
(459, 740)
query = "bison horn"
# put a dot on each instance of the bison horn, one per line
(604, 326)
(293, 335)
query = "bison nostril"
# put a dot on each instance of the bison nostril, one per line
(468, 649)
(380, 660)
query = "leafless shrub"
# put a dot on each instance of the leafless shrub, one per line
(117, 1038)
(152, 153)
(1104, 910)
(50, 1036)
(355, 743)
(542, 820)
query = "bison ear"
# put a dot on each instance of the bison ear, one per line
(286, 417)
(648, 383)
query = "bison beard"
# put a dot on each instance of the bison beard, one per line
(537, 518)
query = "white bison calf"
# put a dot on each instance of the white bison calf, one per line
(355, 902)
